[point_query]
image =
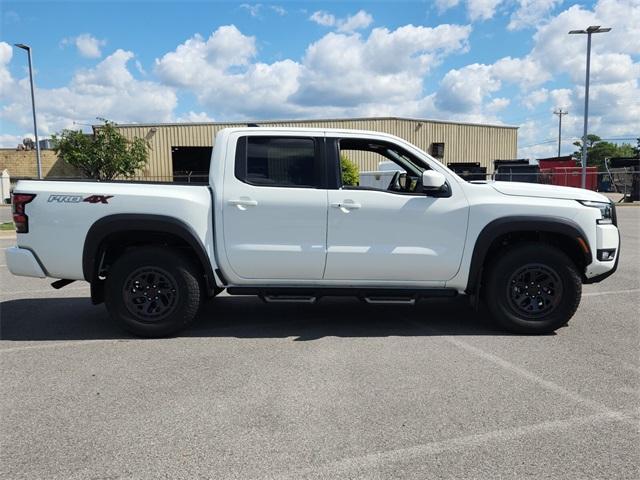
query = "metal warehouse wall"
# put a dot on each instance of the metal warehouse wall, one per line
(463, 142)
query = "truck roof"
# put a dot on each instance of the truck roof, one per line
(306, 129)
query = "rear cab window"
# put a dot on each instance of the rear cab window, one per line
(279, 161)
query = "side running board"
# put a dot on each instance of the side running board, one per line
(374, 296)
(390, 300)
(288, 299)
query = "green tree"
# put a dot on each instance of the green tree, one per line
(350, 171)
(105, 155)
(598, 150)
(591, 140)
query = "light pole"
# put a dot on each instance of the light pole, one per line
(33, 106)
(590, 30)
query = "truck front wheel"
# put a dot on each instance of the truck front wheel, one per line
(153, 291)
(533, 288)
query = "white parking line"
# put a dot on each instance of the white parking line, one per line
(611, 292)
(342, 468)
(49, 290)
(78, 343)
(524, 373)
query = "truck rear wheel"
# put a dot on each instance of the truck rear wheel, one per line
(533, 288)
(153, 292)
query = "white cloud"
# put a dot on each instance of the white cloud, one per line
(387, 67)
(482, 9)
(107, 90)
(253, 9)
(523, 71)
(535, 98)
(444, 5)
(198, 58)
(221, 72)
(559, 52)
(355, 22)
(476, 9)
(88, 46)
(525, 13)
(468, 89)
(615, 70)
(358, 21)
(323, 18)
(12, 141)
(195, 117)
(6, 53)
(339, 73)
(537, 141)
(561, 98)
(140, 68)
(280, 10)
(531, 12)
(498, 104)
(465, 90)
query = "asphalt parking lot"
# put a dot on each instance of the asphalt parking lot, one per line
(334, 390)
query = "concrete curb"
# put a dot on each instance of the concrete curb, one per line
(7, 235)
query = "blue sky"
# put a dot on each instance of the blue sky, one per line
(495, 61)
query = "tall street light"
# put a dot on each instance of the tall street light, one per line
(590, 30)
(33, 106)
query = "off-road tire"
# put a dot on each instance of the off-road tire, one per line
(142, 276)
(507, 300)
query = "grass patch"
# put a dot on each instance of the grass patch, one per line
(7, 226)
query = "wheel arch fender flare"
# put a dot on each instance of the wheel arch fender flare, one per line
(524, 224)
(140, 224)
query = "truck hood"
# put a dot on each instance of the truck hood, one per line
(522, 189)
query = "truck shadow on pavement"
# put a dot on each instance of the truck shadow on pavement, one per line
(249, 317)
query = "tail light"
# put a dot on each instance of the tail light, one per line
(20, 218)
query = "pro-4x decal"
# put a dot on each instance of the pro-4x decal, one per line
(98, 198)
(78, 198)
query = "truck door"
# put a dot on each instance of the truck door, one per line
(392, 232)
(275, 208)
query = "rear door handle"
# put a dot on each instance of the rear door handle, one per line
(346, 205)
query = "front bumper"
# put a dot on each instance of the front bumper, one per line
(607, 238)
(24, 263)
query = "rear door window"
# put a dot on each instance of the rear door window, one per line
(278, 161)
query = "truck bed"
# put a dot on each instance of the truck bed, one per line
(62, 213)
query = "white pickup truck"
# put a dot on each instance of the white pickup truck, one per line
(277, 221)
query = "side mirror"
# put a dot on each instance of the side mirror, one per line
(432, 181)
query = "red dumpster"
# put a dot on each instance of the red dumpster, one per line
(570, 176)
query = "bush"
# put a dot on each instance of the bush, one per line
(350, 171)
(103, 156)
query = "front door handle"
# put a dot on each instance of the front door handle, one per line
(243, 203)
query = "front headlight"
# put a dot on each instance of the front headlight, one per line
(606, 210)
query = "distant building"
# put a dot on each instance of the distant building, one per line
(178, 149)
(46, 144)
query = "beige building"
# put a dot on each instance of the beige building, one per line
(178, 148)
(186, 147)
(23, 164)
